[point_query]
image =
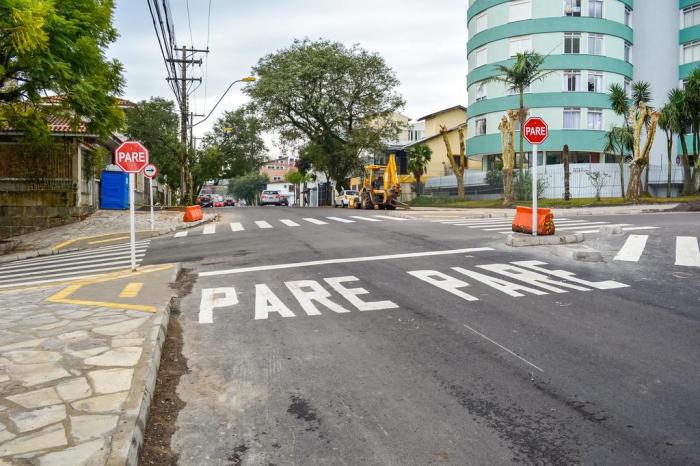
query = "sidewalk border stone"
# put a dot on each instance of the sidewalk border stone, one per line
(518, 240)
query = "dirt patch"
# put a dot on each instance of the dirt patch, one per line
(166, 405)
(693, 206)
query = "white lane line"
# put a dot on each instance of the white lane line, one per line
(633, 248)
(67, 265)
(503, 348)
(639, 228)
(181, 234)
(366, 219)
(348, 260)
(289, 223)
(389, 217)
(263, 225)
(209, 229)
(236, 226)
(48, 270)
(341, 220)
(556, 222)
(84, 253)
(66, 276)
(316, 221)
(687, 251)
(588, 225)
(58, 259)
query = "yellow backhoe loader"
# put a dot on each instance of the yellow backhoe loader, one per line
(380, 187)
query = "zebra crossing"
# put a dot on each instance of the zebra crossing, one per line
(70, 266)
(503, 225)
(236, 227)
(687, 250)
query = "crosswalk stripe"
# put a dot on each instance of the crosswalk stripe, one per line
(209, 229)
(181, 234)
(315, 221)
(85, 252)
(17, 276)
(588, 225)
(341, 220)
(63, 263)
(236, 226)
(687, 251)
(263, 224)
(633, 248)
(60, 259)
(639, 228)
(63, 277)
(289, 223)
(389, 217)
(366, 219)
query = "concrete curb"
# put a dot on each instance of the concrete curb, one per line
(128, 439)
(50, 252)
(558, 211)
(581, 254)
(519, 240)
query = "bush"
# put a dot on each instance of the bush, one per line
(494, 177)
(523, 186)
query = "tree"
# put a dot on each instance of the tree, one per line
(665, 124)
(507, 128)
(335, 100)
(458, 162)
(58, 48)
(418, 159)
(249, 186)
(619, 139)
(692, 91)
(297, 179)
(679, 119)
(518, 77)
(598, 180)
(155, 123)
(567, 173)
(639, 115)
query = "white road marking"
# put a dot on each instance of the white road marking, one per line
(316, 221)
(633, 248)
(60, 259)
(351, 294)
(366, 219)
(289, 223)
(389, 217)
(181, 234)
(78, 264)
(341, 219)
(263, 224)
(347, 260)
(640, 228)
(687, 251)
(308, 291)
(209, 229)
(101, 252)
(66, 276)
(502, 347)
(213, 298)
(236, 226)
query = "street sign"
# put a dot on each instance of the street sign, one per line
(131, 157)
(150, 171)
(536, 130)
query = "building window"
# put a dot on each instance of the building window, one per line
(572, 42)
(691, 16)
(482, 57)
(595, 119)
(480, 126)
(572, 81)
(595, 44)
(628, 52)
(515, 91)
(520, 45)
(595, 82)
(480, 92)
(572, 118)
(572, 7)
(691, 52)
(628, 87)
(628, 16)
(519, 11)
(482, 23)
(595, 8)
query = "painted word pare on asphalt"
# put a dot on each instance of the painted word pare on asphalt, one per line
(314, 298)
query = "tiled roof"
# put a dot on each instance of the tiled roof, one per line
(122, 103)
(57, 124)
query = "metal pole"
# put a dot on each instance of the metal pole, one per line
(153, 221)
(533, 171)
(132, 220)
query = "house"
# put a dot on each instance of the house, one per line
(276, 170)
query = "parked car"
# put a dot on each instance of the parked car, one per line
(343, 199)
(219, 204)
(230, 202)
(206, 201)
(273, 198)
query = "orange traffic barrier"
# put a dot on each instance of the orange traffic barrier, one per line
(193, 214)
(522, 223)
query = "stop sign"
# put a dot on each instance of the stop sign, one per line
(131, 157)
(536, 130)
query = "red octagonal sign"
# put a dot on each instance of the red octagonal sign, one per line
(536, 130)
(131, 156)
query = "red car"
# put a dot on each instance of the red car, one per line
(219, 204)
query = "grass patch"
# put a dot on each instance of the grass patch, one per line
(429, 201)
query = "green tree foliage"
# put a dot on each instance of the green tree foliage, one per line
(155, 123)
(619, 140)
(418, 159)
(692, 92)
(335, 100)
(248, 186)
(58, 47)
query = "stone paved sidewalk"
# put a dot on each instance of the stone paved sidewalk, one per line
(74, 379)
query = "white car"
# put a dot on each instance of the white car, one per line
(343, 199)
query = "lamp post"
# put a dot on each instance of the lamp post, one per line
(247, 79)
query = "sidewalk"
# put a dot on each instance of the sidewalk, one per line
(568, 212)
(78, 368)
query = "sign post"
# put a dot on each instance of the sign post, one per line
(131, 157)
(150, 172)
(536, 132)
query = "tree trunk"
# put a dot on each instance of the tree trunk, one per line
(687, 178)
(521, 119)
(622, 171)
(641, 154)
(507, 128)
(456, 165)
(634, 189)
(565, 155)
(507, 186)
(669, 151)
(696, 170)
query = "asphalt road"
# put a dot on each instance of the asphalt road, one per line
(421, 342)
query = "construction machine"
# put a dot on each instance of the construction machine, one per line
(380, 187)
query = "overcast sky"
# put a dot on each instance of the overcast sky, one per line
(423, 41)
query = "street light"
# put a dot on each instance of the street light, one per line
(247, 79)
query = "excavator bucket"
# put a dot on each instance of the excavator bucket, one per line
(390, 173)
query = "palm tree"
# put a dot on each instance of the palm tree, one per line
(680, 118)
(665, 118)
(418, 159)
(617, 136)
(692, 90)
(526, 70)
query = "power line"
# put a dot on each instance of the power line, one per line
(189, 21)
(206, 64)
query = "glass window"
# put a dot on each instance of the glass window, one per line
(480, 92)
(519, 11)
(628, 52)
(628, 16)
(691, 52)
(595, 118)
(482, 23)
(572, 81)
(628, 87)
(482, 57)
(572, 42)
(572, 7)
(520, 45)
(691, 16)
(595, 8)
(572, 118)
(595, 44)
(595, 82)
(480, 126)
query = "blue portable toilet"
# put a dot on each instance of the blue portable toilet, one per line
(114, 187)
